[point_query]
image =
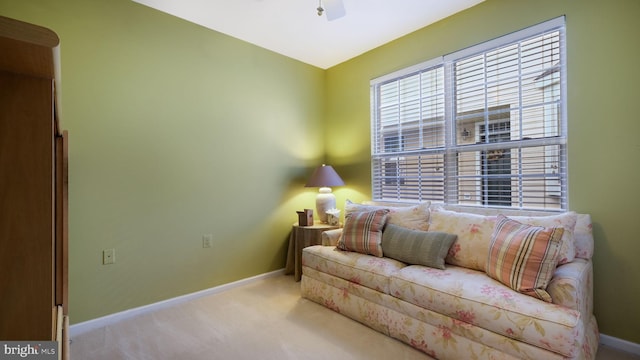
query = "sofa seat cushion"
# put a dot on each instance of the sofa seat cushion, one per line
(471, 296)
(366, 270)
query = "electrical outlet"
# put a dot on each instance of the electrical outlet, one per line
(207, 239)
(108, 256)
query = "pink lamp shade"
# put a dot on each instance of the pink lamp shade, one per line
(324, 177)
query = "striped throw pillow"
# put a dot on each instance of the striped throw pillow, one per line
(362, 232)
(524, 257)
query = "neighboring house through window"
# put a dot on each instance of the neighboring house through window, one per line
(485, 126)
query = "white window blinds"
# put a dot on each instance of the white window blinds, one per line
(485, 126)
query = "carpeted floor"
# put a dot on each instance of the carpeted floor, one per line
(265, 319)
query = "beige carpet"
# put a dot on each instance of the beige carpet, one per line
(266, 319)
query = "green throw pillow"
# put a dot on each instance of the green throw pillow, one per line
(416, 247)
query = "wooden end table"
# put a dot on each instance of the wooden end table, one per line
(300, 238)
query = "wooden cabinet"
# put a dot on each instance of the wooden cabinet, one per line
(33, 186)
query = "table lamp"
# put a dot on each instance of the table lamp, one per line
(324, 177)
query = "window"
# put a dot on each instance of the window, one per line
(485, 126)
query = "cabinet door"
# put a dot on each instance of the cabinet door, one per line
(26, 207)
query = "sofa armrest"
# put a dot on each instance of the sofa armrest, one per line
(572, 286)
(331, 237)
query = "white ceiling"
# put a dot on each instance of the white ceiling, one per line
(294, 29)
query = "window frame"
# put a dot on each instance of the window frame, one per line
(451, 149)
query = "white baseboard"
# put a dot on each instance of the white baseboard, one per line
(83, 327)
(619, 344)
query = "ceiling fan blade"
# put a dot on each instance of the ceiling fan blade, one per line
(334, 9)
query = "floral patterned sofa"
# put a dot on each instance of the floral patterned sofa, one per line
(455, 309)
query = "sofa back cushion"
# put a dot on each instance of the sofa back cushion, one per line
(584, 237)
(473, 236)
(582, 233)
(565, 220)
(404, 214)
(411, 216)
(524, 257)
(415, 247)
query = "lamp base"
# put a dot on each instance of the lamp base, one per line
(325, 201)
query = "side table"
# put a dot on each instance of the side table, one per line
(300, 238)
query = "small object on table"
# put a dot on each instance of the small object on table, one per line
(333, 217)
(305, 218)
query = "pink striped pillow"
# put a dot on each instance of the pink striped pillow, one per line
(362, 232)
(524, 257)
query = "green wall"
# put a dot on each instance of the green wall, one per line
(175, 131)
(604, 150)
